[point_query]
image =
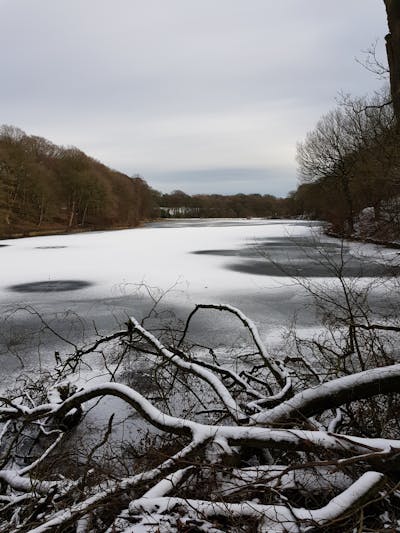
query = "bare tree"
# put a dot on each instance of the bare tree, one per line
(351, 156)
(393, 52)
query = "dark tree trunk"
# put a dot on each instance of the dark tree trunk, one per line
(393, 52)
(72, 214)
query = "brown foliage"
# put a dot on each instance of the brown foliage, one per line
(44, 187)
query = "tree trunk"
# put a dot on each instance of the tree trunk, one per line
(72, 213)
(393, 52)
(42, 209)
(84, 214)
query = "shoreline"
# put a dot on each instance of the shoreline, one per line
(366, 240)
(50, 233)
(62, 231)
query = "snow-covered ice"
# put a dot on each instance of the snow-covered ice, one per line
(158, 256)
(96, 275)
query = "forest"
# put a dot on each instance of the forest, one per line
(46, 188)
(225, 206)
(352, 157)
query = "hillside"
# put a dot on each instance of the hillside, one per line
(46, 188)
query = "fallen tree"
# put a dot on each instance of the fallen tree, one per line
(258, 450)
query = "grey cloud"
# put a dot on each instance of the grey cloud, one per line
(135, 82)
(219, 180)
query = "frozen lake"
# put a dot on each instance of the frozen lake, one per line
(85, 282)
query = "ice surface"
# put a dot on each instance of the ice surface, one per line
(160, 257)
(96, 276)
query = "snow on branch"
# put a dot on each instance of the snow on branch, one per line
(214, 382)
(333, 394)
(233, 435)
(276, 367)
(261, 469)
(273, 518)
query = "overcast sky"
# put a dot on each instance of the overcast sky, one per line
(199, 95)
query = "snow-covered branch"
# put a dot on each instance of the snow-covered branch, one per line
(333, 394)
(192, 368)
(276, 367)
(239, 461)
(271, 518)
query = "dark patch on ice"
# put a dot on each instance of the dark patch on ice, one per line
(300, 257)
(311, 270)
(49, 247)
(262, 247)
(4, 245)
(58, 285)
(297, 243)
(225, 253)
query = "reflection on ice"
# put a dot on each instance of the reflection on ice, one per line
(57, 285)
(49, 247)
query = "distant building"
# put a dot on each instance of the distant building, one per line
(179, 211)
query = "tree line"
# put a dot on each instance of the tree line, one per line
(45, 187)
(48, 188)
(223, 206)
(349, 168)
